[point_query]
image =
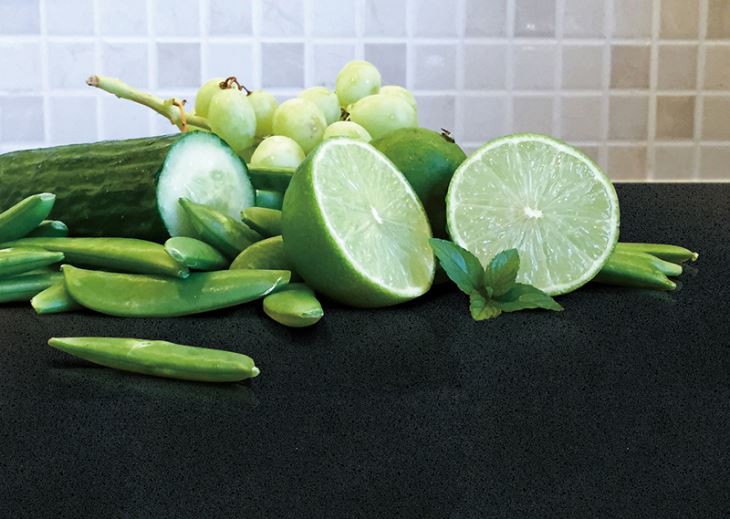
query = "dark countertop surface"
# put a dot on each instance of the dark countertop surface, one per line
(619, 406)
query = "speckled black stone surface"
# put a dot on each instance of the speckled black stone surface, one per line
(619, 406)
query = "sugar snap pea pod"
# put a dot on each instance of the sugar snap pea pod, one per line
(25, 286)
(666, 267)
(295, 305)
(25, 216)
(160, 358)
(219, 230)
(134, 295)
(672, 253)
(18, 260)
(49, 229)
(118, 254)
(195, 254)
(274, 179)
(265, 254)
(628, 270)
(266, 222)
(269, 199)
(54, 300)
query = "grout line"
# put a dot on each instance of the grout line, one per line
(258, 70)
(98, 69)
(700, 99)
(653, 82)
(608, 23)
(558, 78)
(308, 7)
(360, 6)
(410, 50)
(203, 24)
(152, 69)
(45, 80)
(509, 115)
(460, 71)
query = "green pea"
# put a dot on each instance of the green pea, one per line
(49, 229)
(18, 260)
(25, 216)
(265, 254)
(160, 358)
(269, 199)
(26, 286)
(195, 254)
(133, 295)
(672, 253)
(54, 300)
(294, 305)
(118, 254)
(219, 230)
(266, 222)
(628, 270)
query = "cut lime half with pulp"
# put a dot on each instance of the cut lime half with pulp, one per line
(355, 229)
(544, 198)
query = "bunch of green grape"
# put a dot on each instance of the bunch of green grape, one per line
(268, 134)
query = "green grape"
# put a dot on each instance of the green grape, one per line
(356, 80)
(347, 129)
(205, 94)
(326, 100)
(381, 114)
(264, 104)
(399, 91)
(302, 121)
(232, 118)
(248, 152)
(277, 152)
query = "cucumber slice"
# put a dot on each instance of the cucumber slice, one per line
(204, 169)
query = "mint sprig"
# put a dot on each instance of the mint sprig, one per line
(494, 289)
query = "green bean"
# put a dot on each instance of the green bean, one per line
(266, 222)
(265, 254)
(49, 229)
(26, 286)
(18, 260)
(672, 253)
(294, 305)
(630, 270)
(25, 216)
(133, 295)
(195, 254)
(54, 300)
(219, 230)
(118, 254)
(269, 199)
(160, 358)
(274, 179)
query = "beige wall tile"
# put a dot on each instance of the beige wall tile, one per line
(533, 114)
(628, 117)
(582, 67)
(677, 67)
(630, 66)
(716, 124)
(673, 162)
(592, 151)
(680, 19)
(717, 67)
(627, 162)
(632, 18)
(675, 118)
(715, 162)
(718, 22)
(580, 118)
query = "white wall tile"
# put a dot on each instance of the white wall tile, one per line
(435, 66)
(628, 117)
(485, 117)
(580, 118)
(229, 17)
(72, 119)
(385, 18)
(289, 68)
(485, 18)
(584, 18)
(176, 17)
(626, 162)
(178, 65)
(126, 61)
(436, 112)
(231, 59)
(333, 17)
(534, 67)
(122, 120)
(126, 18)
(390, 58)
(532, 114)
(70, 17)
(19, 17)
(69, 64)
(535, 18)
(282, 17)
(329, 58)
(22, 118)
(20, 61)
(673, 162)
(582, 67)
(434, 18)
(485, 66)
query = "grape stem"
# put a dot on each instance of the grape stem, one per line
(172, 109)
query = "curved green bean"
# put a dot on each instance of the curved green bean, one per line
(18, 260)
(269, 199)
(49, 229)
(25, 216)
(26, 286)
(672, 253)
(266, 222)
(295, 305)
(54, 300)
(195, 254)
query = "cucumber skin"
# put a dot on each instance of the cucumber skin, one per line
(102, 189)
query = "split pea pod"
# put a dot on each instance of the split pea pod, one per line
(266, 222)
(672, 253)
(295, 305)
(118, 254)
(25, 216)
(134, 295)
(49, 229)
(219, 230)
(160, 358)
(632, 270)
(54, 300)
(195, 254)
(269, 199)
(18, 260)
(26, 286)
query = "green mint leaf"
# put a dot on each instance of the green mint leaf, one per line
(462, 267)
(525, 297)
(501, 273)
(481, 308)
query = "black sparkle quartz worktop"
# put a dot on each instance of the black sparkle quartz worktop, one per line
(617, 407)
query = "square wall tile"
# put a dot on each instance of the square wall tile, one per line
(24, 114)
(128, 18)
(282, 18)
(127, 61)
(534, 67)
(229, 17)
(716, 124)
(715, 162)
(485, 66)
(717, 67)
(628, 117)
(593, 152)
(627, 162)
(72, 119)
(70, 17)
(680, 19)
(178, 65)
(123, 120)
(582, 67)
(630, 66)
(231, 59)
(436, 112)
(632, 18)
(176, 17)
(484, 117)
(385, 18)
(532, 114)
(673, 162)
(484, 19)
(434, 18)
(435, 66)
(718, 20)
(69, 64)
(535, 18)
(289, 69)
(675, 117)
(329, 60)
(677, 67)
(19, 62)
(19, 17)
(584, 18)
(580, 118)
(333, 17)
(390, 58)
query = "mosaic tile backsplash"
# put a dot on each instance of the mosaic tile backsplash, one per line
(643, 86)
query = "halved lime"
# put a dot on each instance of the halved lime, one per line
(541, 196)
(355, 229)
